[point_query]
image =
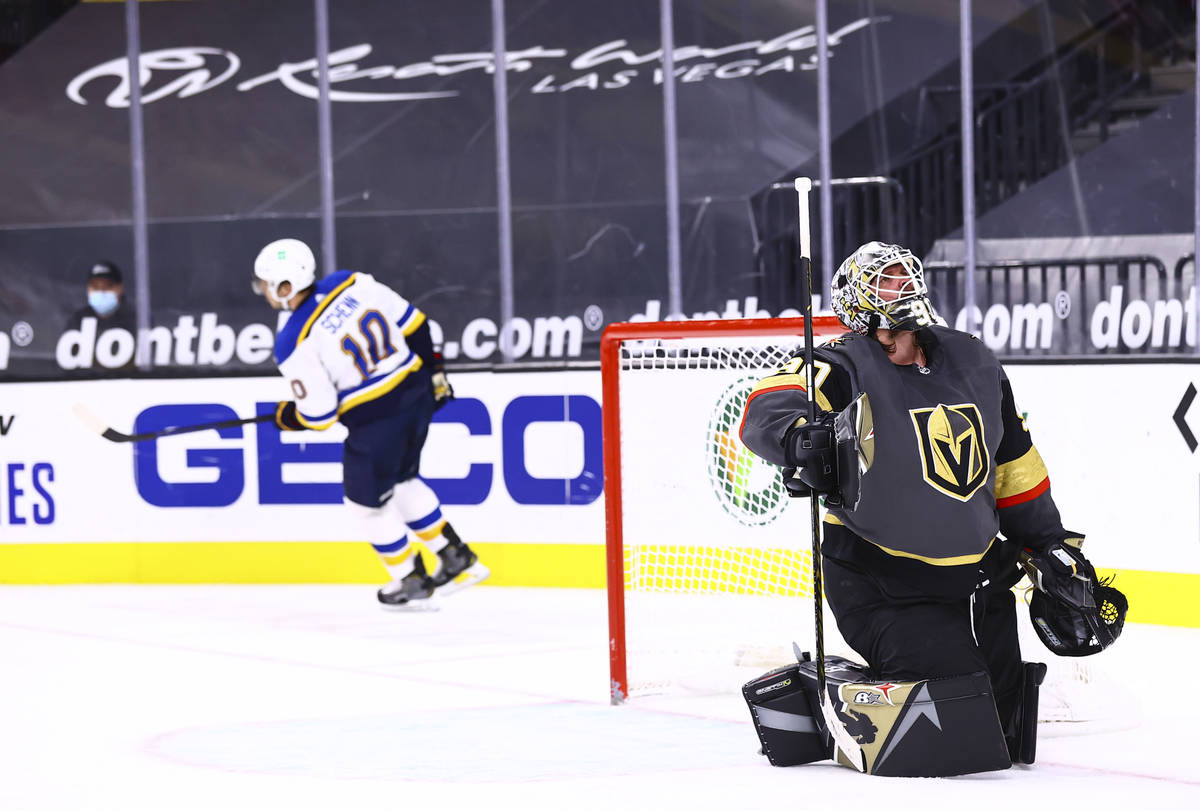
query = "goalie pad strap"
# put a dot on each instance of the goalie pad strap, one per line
(786, 721)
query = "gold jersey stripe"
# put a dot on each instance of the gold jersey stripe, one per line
(953, 560)
(1020, 475)
(790, 381)
(320, 308)
(411, 326)
(381, 387)
(316, 425)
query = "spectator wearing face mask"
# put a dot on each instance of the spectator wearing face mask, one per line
(105, 300)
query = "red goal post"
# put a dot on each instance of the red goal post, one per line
(695, 349)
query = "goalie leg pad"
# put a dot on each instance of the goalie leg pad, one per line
(783, 705)
(927, 728)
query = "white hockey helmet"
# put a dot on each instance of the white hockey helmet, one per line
(882, 286)
(284, 260)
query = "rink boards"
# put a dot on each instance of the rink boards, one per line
(517, 461)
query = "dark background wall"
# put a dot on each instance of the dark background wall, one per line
(231, 149)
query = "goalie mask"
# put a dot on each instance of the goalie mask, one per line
(284, 260)
(1070, 631)
(882, 286)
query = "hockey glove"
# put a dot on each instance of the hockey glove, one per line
(1073, 612)
(286, 417)
(1062, 572)
(443, 392)
(1068, 632)
(811, 448)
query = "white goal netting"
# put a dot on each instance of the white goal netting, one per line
(715, 559)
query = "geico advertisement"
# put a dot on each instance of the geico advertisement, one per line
(515, 458)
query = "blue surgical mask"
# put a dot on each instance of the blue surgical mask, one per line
(103, 301)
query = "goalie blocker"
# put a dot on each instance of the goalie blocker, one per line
(831, 456)
(927, 728)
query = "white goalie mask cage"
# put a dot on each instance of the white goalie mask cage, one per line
(882, 286)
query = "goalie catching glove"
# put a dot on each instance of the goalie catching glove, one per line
(1073, 612)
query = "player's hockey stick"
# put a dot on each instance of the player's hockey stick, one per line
(842, 740)
(111, 434)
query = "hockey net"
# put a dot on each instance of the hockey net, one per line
(709, 562)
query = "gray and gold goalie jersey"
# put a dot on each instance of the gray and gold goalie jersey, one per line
(953, 467)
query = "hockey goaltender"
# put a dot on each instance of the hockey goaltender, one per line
(938, 503)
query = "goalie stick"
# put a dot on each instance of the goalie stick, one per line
(112, 435)
(842, 740)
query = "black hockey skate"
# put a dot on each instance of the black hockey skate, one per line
(416, 585)
(460, 567)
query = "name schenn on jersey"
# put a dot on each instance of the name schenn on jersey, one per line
(334, 316)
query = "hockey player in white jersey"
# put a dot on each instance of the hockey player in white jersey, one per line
(354, 351)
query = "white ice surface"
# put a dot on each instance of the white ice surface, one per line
(307, 697)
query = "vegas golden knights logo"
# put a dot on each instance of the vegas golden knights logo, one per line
(954, 454)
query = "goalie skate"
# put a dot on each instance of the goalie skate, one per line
(459, 567)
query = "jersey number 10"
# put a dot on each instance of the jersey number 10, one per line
(377, 334)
